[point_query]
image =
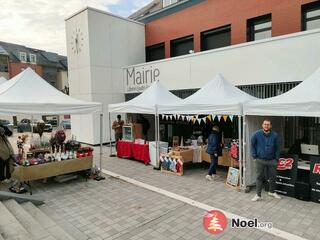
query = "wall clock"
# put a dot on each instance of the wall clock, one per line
(77, 41)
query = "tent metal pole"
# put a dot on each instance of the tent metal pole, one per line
(31, 125)
(99, 177)
(156, 122)
(244, 150)
(240, 149)
(110, 138)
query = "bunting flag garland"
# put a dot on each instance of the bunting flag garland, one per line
(219, 118)
(213, 117)
(210, 118)
(225, 118)
(231, 118)
(199, 120)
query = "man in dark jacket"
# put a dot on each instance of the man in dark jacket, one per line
(265, 150)
(213, 149)
(6, 151)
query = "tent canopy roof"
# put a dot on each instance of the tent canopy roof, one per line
(218, 96)
(147, 101)
(28, 93)
(302, 100)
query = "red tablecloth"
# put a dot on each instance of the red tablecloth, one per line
(141, 152)
(124, 149)
(137, 151)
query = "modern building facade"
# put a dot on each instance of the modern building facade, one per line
(50, 66)
(263, 47)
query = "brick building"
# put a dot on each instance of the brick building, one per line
(50, 66)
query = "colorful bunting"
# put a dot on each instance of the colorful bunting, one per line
(225, 118)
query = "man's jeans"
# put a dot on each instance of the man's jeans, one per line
(269, 167)
(213, 165)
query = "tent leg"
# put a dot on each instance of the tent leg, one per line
(110, 138)
(244, 151)
(240, 150)
(100, 177)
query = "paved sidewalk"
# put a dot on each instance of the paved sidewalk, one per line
(288, 214)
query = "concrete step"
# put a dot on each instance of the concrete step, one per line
(27, 221)
(47, 223)
(10, 227)
(65, 225)
(20, 198)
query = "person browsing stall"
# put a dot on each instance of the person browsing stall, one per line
(265, 150)
(6, 152)
(213, 149)
(117, 127)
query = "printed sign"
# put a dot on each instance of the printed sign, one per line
(233, 177)
(315, 178)
(137, 79)
(287, 175)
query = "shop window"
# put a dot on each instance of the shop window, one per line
(310, 16)
(216, 38)
(259, 28)
(33, 58)
(23, 56)
(155, 52)
(182, 46)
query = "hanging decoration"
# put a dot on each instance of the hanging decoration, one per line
(219, 118)
(225, 118)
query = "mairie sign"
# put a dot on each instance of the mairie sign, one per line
(137, 79)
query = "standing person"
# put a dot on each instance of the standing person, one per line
(265, 150)
(145, 126)
(117, 127)
(6, 152)
(213, 149)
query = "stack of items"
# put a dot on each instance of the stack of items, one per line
(234, 153)
(172, 164)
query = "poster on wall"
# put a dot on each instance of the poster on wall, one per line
(287, 175)
(315, 178)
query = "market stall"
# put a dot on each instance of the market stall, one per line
(146, 103)
(218, 97)
(29, 94)
(301, 101)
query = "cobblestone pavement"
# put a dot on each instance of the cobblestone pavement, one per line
(114, 209)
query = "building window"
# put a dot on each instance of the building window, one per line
(182, 46)
(166, 3)
(33, 58)
(3, 63)
(259, 28)
(155, 52)
(216, 38)
(310, 16)
(23, 56)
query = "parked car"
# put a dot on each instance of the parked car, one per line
(7, 124)
(25, 126)
(66, 124)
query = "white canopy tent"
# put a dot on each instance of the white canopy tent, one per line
(27, 93)
(2, 80)
(218, 96)
(146, 103)
(303, 101)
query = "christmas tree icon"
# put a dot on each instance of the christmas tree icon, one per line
(215, 224)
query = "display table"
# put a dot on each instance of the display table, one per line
(186, 154)
(51, 169)
(224, 160)
(124, 149)
(136, 151)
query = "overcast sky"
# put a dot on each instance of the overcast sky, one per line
(40, 23)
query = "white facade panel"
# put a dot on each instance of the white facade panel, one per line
(281, 59)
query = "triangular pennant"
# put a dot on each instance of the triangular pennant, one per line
(204, 119)
(231, 118)
(199, 120)
(178, 117)
(213, 117)
(194, 120)
(225, 117)
(219, 118)
(210, 118)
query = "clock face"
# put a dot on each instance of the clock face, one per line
(77, 41)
